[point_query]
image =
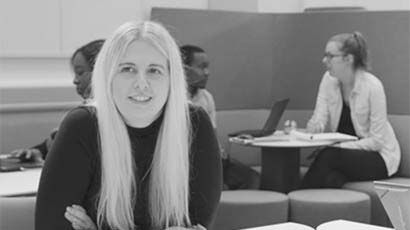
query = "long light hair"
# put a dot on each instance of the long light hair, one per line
(168, 200)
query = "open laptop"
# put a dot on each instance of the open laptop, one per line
(271, 123)
(395, 198)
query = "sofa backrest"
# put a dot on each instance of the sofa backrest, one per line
(401, 126)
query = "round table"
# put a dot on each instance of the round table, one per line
(280, 159)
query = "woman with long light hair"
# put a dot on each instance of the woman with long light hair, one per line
(140, 156)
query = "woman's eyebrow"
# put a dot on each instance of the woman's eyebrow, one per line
(126, 63)
(157, 65)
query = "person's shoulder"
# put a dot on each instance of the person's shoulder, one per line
(371, 81)
(197, 113)
(199, 118)
(371, 78)
(206, 92)
(81, 116)
(209, 95)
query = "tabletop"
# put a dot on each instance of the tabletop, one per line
(19, 183)
(281, 140)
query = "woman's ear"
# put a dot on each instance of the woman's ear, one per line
(349, 58)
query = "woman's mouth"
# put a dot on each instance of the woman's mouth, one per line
(140, 99)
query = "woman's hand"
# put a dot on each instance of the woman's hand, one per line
(79, 218)
(314, 127)
(27, 155)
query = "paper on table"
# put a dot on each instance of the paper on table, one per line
(270, 138)
(323, 136)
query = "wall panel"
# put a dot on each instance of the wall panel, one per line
(238, 45)
(300, 43)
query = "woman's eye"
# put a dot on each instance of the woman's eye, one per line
(127, 69)
(154, 71)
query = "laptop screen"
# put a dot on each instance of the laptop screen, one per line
(395, 198)
(274, 117)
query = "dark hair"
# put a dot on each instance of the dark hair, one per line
(354, 44)
(187, 53)
(89, 51)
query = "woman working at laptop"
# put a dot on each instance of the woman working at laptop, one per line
(353, 101)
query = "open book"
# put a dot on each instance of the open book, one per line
(330, 225)
(336, 137)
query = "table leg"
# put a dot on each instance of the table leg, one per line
(280, 169)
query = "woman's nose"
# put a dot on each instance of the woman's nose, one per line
(140, 82)
(206, 72)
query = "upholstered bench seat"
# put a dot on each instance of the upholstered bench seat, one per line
(378, 215)
(315, 206)
(17, 213)
(240, 209)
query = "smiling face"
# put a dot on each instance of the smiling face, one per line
(82, 75)
(140, 86)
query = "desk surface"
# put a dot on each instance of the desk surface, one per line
(280, 140)
(20, 182)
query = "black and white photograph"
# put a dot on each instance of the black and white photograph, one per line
(205, 115)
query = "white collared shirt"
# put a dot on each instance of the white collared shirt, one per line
(368, 111)
(205, 99)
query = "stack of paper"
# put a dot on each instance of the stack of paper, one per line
(336, 137)
(270, 138)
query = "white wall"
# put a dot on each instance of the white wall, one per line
(376, 5)
(289, 6)
(83, 21)
(386, 4)
(232, 5)
(29, 28)
(35, 72)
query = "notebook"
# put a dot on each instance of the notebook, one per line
(395, 198)
(333, 136)
(271, 123)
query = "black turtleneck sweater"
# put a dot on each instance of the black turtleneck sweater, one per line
(71, 174)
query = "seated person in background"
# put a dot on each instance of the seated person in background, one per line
(236, 175)
(139, 156)
(355, 103)
(82, 64)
